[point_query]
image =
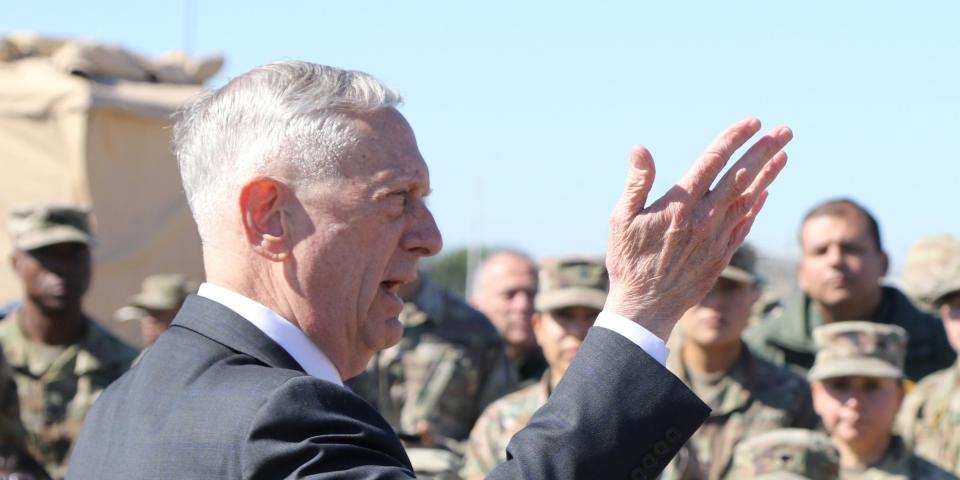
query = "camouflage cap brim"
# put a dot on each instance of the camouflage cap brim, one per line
(738, 275)
(129, 313)
(52, 236)
(945, 290)
(570, 297)
(781, 476)
(854, 367)
(154, 300)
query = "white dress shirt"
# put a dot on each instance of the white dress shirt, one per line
(286, 334)
(316, 364)
(643, 338)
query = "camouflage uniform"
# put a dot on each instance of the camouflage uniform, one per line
(487, 447)
(755, 396)
(564, 282)
(929, 419)
(897, 463)
(449, 365)
(12, 432)
(787, 338)
(786, 454)
(58, 384)
(868, 349)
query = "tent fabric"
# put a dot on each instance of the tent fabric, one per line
(102, 144)
(103, 61)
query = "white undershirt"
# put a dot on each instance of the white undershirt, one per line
(317, 365)
(286, 334)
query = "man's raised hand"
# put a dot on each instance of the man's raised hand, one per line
(665, 256)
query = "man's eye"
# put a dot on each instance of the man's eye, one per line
(840, 385)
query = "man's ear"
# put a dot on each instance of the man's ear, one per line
(886, 263)
(261, 207)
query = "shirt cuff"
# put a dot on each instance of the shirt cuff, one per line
(633, 331)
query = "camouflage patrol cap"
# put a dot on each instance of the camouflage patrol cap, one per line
(857, 348)
(948, 282)
(164, 291)
(932, 269)
(43, 225)
(787, 453)
(572, 282)
(743, 265)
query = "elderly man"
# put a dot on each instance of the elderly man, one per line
(503, 289)
(62, 359)
(572, 292)
(308, 191)
(841, 265)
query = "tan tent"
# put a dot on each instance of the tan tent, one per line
(102, 144)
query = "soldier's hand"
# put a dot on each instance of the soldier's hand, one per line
(663, 258)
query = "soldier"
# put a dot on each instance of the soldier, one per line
(572, 293)
(432, 385)
(787, 453)
(857, 384)
(841, 265)
(157, 303)
(930, 417)
(503, 290)
(61, 357)
(748, 395)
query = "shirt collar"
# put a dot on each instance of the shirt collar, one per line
(285, 333)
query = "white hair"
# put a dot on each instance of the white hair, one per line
(286, 119)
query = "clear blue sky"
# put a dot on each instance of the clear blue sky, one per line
(526, 111)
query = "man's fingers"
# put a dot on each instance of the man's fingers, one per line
(639, 180)
(770, 171)
(751, 166)
(699, 178)
(742, 228)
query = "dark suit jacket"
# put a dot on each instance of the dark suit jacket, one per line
(216, 398)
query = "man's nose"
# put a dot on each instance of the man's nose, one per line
(834, 255)
(424, 236)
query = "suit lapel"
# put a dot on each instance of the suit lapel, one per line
(224, 326)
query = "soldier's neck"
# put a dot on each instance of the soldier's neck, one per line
(52, 328)
(862, 309)
(711, 358)
(862, 454)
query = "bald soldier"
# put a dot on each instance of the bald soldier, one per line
(572, 293)
(930, 417)
(503, 289)
(61, 357)
(858, 386)
(841, 265)
(748, 395)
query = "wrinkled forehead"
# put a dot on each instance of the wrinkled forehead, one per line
(385, 148)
